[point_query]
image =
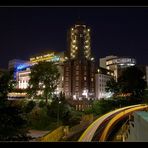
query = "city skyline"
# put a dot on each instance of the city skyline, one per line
(114, 31)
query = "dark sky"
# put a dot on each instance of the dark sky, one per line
(120, 31)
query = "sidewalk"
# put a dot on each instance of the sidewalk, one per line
(37, 133)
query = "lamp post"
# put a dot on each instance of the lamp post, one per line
(58, 114)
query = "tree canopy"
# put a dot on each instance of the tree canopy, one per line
(131, 81)
(12, 122)
(44, 78)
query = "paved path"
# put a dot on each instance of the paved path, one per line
(37, 133)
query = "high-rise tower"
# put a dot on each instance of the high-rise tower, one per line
(79, 66)
(79, 42)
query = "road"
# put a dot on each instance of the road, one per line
(89, 133)
(116, 118)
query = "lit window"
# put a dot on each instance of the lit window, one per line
(77, 72)
(77, 83)
(76, 88)
(77, 67)
(84, 78)
(74, 41)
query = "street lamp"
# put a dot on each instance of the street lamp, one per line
(59, 102)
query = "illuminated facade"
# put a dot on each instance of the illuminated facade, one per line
(117, 64)
(14, 64)
(23, 78)
(48, 56)
(23, 70)
(79, 42)
(101, 77)
(79, 65)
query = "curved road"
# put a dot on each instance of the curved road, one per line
(90, 131)
(116, 118)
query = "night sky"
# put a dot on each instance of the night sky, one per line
(25, 31)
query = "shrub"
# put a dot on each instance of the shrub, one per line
(39, 120)
(29, 106)
(42, 104)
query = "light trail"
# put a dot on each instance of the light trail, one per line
(90, 131)
(122, 114)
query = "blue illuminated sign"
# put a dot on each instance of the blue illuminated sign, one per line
(23, 66)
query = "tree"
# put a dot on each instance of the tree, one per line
(44, 78)
(58, 107)
(112, 86)
(12, 123)
(6, 84)
(100, 107)
(131, 81)
(61, 110)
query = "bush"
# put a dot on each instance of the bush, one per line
(39, 120)
(42, 104)
(29, 106)
(18, 103)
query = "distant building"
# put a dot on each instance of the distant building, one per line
(23, 70)
(103, 63)
(117, 64)
(79, 65)
(138, 128)
(101, 77)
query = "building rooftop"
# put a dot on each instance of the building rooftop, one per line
(46, 51)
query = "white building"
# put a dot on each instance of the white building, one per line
(101, 78)
(23, 78)
(23, 70)
(116, 64)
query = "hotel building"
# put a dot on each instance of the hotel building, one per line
(79, 65)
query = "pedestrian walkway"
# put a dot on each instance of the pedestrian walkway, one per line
(37, 133)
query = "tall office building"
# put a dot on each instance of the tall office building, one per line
(79, 65)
